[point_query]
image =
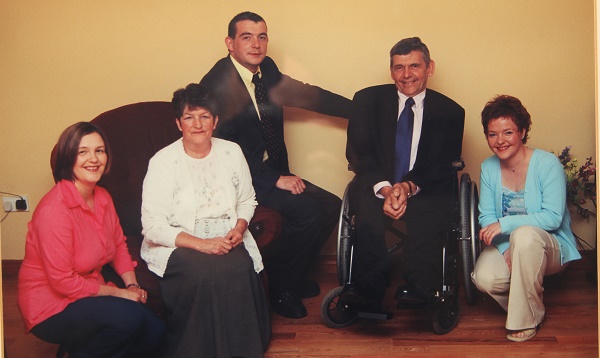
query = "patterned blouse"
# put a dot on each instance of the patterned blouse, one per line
(513, 203)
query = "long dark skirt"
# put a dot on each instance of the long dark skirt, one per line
(216, 305)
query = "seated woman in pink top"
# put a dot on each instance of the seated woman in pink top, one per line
(75, 230)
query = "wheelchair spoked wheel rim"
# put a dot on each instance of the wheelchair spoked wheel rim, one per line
(334, 313)
(343, 244)
(474, 215)
(468, 235)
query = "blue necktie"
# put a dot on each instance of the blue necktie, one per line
(404, 131)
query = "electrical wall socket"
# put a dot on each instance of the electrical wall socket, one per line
(10, 203)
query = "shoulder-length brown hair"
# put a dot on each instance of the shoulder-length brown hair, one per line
(67, 149)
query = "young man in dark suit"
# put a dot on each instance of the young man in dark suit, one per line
(251, 93)
(405, 174)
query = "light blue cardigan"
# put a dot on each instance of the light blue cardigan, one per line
(545, 202)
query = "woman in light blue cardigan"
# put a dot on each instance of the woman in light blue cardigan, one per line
(524, 218)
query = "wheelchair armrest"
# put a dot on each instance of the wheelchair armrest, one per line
(266, 226)
(458, 165)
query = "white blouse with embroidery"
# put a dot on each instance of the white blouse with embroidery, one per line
(203, 197)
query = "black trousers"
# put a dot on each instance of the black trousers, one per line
(427, 218)
(308, 220)
(104, 326)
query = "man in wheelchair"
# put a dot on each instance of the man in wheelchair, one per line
(402, 141)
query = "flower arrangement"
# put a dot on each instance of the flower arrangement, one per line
(579, 186)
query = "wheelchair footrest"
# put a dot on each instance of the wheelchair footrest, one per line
(382, 316)
(413, 306)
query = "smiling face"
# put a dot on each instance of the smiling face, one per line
(410, 73)
(197, 126)
(249, 46)
(504, 138)
(91, 161)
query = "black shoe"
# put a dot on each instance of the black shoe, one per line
(308, 289)
(412, 294)
(286, 303)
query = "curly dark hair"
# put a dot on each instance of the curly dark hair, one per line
(194, 96)
(504, 106)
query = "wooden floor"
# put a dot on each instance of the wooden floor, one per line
(570, 328)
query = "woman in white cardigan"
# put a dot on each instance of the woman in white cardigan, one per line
(197, 201)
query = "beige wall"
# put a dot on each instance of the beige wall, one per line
(67, 61)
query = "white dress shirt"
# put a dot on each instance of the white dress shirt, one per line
(417, 125)
(246, 76)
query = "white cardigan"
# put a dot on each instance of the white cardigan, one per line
(168, 200)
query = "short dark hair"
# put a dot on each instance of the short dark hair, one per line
(246, 15)
(67, 149)
(408, 45)
(194, 96)
(504, 106)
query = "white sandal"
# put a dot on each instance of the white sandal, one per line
(529, 333)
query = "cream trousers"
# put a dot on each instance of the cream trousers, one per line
(534, 254)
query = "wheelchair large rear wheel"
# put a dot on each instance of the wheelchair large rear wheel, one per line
(343, 245)
(470, 246)
(334, 313)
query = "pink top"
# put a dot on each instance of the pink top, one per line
(67, 245)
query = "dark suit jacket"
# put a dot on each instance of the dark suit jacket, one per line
(240, 123)
(371, 138)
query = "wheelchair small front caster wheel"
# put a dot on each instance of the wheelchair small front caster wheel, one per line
(445, 315)
(334, 313)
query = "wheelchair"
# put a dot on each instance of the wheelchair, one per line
(461, 246)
